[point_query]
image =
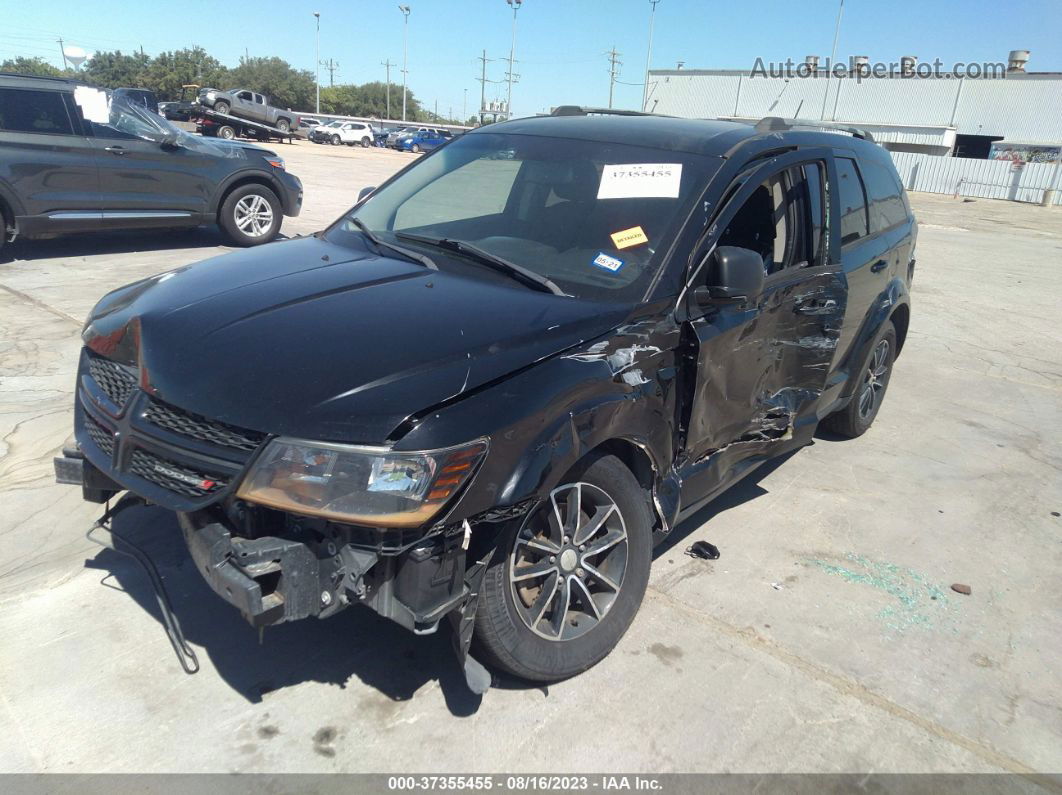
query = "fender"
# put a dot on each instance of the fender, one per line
(223, 187)
(15, 206)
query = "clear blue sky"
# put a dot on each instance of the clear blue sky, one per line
(561, 44)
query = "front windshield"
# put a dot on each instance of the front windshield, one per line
(594, 217)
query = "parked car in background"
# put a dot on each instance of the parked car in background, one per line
(339, 132)
(423, 139)
(139, 96)
(123, 167)
(181, 109)
(393, 135)
(628, 315)
(246, 104)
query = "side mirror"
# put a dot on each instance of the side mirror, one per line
(170, 141)
(365, 192)
(735, 275)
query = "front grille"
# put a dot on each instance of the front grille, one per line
(114, 379)
(175, 477)
(100, 436)
(186, 423)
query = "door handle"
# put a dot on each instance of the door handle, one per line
(114, 150)
(878, 266)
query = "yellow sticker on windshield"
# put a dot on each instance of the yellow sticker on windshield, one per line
(629, 237)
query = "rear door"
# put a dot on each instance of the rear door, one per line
(761, 365)
(48, 164)
(867, 249)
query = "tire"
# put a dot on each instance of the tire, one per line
(365, 143)
(336, 140)
(558, 648)
(241, 203)
(415, 149)
(227, 132)
(856, 418)
(283, 125)
(221, 107)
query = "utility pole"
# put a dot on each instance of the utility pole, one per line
(387, 65)
(317, 79)
(648, 55)
(613, 70)
(833, 55)
(405, 52)
(62, 52)
(483, 84)
(464, 107)
(436, 111)
(512, 59)
(331, 66)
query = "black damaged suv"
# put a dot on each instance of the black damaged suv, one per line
(488, 390)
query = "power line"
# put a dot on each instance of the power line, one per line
(332, 67)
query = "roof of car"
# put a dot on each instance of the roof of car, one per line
(14, 78)
(696, 136)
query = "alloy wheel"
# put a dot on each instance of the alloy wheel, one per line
(253, 215)
(568, 562)
(875, 380)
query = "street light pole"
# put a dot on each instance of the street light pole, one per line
(405, 50)
(512, 57)
(649, 54)
(317, 60)
(833, 55)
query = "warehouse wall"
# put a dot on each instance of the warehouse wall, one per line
(986, 179)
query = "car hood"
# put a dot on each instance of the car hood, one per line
(306, 338)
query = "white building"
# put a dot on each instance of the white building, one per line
(1015, 115)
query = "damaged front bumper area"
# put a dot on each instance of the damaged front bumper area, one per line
(316, 569)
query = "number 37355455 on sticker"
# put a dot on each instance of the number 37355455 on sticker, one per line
(640, 181)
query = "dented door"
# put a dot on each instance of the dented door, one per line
(762, 365)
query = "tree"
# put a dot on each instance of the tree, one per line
(286, 87)
(32, 66)
(169, 71)
(367, 99)
(115, 69)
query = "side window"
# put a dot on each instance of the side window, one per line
(244, 95)
(886, 207)
(43, 112)
(853, 201)
(782, 220)
(259, 99)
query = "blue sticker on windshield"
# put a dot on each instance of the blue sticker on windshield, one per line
(603, 260)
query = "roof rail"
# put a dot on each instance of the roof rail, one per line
(578, 110)
(776, 123)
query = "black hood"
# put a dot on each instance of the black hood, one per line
(306, 338)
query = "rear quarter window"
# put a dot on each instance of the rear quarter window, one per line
(26, 110)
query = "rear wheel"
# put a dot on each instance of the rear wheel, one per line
(221, 107)
(857, 417)
(250, 215)
(226, 132)
(566, 581)
(283, 125)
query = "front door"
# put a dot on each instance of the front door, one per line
(761, 364)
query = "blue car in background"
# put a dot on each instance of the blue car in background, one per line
(423, 140)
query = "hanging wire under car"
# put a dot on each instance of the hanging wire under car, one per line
(185, 655)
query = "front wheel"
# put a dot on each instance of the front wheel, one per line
(566, 581)
(250, 215)
(856, 418)
(336, 140)
(415, 149)
(221, 107)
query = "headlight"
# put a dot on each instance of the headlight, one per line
(359, 485)
(211, 94)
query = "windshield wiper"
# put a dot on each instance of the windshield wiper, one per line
(416, 256)
(533, 280)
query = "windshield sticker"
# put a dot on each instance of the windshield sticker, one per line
(640, 181)
(629, 237)
(603, 260)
